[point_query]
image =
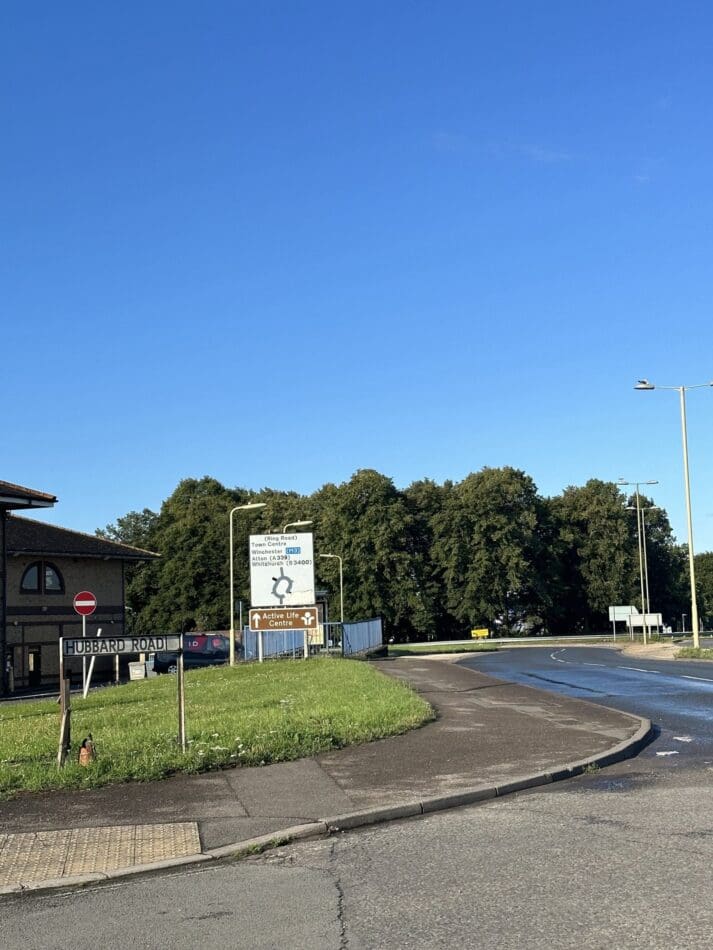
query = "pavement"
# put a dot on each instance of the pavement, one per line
(490, 738)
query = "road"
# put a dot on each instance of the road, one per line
(618, 858)
(677, 696)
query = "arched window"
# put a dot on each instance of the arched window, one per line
(41, 577)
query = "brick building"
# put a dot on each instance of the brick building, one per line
(42, 568)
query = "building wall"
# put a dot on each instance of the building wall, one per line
(35, 622)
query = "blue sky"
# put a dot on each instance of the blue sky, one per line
(277, 242)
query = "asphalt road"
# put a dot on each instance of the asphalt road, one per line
(677, 696)
(617, 858)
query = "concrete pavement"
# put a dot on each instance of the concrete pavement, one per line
(490, 738)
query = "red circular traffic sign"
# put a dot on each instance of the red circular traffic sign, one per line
(85, 603)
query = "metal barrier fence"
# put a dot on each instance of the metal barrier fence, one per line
(347, 639)
(361, 636)
(282, 643)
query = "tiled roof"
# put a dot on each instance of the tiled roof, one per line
(16, 496)
(25, 536)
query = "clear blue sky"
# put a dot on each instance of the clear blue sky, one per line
(276, 242)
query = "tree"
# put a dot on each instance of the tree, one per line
(596, 553)
(187, 588)
(367, 522)
(666, 561)
(490, 542)
(135, 528)
(425, 500)
(704, 587)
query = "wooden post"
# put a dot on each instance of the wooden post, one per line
(65, 730)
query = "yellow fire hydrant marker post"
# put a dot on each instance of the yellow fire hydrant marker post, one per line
(47, 855)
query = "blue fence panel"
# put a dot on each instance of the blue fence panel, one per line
(361, 636)
(274, 643)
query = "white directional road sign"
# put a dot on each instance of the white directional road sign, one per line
(284, 618)
(281, 570)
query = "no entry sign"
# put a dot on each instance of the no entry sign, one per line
(85, 603)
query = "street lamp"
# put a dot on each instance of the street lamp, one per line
(642, 551)
(645, 384)
(341, 585)
(296, 524)
(252, 506)
(643, 544)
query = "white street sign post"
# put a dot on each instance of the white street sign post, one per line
(282, 570)
(121, 646)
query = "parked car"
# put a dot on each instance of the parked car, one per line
(199, 649)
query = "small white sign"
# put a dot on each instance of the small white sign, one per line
(621, 612)
(282, 570)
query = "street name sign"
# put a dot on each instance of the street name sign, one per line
(282, 570)
(114, 646)
(284, 618)
(85, 603)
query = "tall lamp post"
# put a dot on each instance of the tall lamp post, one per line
(341, 585)
(645, 384)
(252, 506)
(642, 549)
(643, 545)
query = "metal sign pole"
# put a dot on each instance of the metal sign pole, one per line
(88, 681)
(84, 659)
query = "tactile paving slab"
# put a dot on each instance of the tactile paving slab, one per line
(47, 855)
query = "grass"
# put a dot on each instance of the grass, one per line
(247, 715)
(693, 653)
(467, 646)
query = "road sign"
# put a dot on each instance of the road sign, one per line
(281, 570)
(113, 646)
(85, 603)
(284, 618)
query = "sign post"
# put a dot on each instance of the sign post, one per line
(85, 603)
(120, 646)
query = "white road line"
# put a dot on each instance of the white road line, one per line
(633, 669)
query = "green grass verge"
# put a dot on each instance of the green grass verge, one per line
(691, 653)
(246, 715)
(468, 646)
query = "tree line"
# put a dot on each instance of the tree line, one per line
(434, 560)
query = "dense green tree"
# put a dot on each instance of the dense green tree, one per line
(490, 545)
(367, 522)
(665, 564)
(425, 500)
(704, 586)
(432, 560)
(596, 551)
(135, 528)
(186, 589)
